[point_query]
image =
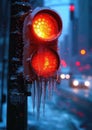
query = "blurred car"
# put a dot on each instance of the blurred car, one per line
(65, 76)
(65, 73)
(77, 81)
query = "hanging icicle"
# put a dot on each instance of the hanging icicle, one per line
(38, 97)
(33, 96)
(42, 89)
(44, 95)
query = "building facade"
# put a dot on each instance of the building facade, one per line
(81, 33)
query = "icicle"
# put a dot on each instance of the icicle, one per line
(55, 88)
(44, 96)
(54, 85)
(38, 97)
(49, 89)
(33, 95)
(38, 89)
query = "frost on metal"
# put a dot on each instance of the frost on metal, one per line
(41, 87)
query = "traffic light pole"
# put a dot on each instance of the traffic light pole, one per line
(17, 98)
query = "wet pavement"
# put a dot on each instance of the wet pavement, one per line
(67, 111)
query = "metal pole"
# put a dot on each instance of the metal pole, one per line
(4, 42)
(17, 98)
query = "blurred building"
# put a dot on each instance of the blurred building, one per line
(73, 37)
(85, 33)
(64, 49)
(85, 24)
(72, 43)
(73, 29)
(80, 32)
(83, 13)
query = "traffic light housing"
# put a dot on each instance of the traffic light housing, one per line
(41, 30)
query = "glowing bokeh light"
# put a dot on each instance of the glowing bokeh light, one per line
(77, 63)
(83, 52)
(72, 7)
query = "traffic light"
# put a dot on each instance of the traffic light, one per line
(71, 9)
(41, 30)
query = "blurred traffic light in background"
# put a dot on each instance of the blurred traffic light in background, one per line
(77, 63)
(63, 63)
(41, 30)
(71, 9)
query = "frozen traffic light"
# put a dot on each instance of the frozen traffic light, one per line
(41, 60)
(41, 30)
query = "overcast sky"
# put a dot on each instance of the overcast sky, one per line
(63, 9)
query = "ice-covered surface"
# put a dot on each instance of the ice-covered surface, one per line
(53, 118)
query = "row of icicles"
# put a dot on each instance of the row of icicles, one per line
(41, 90)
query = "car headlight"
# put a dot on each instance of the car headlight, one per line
(75, 83)
(67, 76)
(87, 83)
(62, 76)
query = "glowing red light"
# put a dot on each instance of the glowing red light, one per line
(45, 63)
(63, 63)
(77, 63)
(45, 26)
(72, 7)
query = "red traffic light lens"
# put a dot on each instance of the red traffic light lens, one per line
(72, 7)
(45, 63)
(45, 26)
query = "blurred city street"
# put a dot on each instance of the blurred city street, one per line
(66, 110)
(46, 65)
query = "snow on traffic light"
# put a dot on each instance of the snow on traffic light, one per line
(41, 61)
